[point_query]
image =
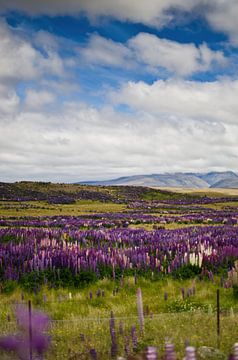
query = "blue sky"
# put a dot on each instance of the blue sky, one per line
(100, 89)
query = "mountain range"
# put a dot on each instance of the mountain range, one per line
(226, 179)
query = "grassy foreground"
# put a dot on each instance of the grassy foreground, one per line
(80, 323)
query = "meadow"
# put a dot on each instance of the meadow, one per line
(80, 253)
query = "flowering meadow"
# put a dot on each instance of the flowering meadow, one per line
(81, 253)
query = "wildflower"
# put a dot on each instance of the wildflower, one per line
(31, 337)
(190, 353)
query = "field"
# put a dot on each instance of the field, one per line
(81, 253)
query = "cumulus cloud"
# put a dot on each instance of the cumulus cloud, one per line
(100, 50)
(9, 102)
(171, 55)
(35, 61)
(172, 125)
(154, 52)
(21, 61)
(81, 142)
(36, 100)
(153, 12)
(221, 14)
(214, 101)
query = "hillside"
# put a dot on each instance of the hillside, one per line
(227, 179)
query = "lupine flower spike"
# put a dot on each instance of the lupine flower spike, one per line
(235, 351)
(169, 351)
(151, 353)
(190, 353)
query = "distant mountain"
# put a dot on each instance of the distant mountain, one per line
(226, 183)
(227, 179)
(213, 178)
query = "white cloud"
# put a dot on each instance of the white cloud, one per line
(174, 125)
(9, 102)
(20, 61)
(151, 12)
(214, 101)
(178, 58)
(154, 52)
(36, 100)
(100, 50)
(81, 142)
(222, 16)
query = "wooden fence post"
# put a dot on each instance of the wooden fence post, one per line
(218, 319)
(30, 330)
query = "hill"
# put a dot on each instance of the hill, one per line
(226, 179)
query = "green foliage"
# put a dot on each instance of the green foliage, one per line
(235, 291)
(180, 305)
(187, 271)
(60, 278)
(9, 286)
(84, 278)
(8, 238)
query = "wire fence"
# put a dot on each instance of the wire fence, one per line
(73, 338)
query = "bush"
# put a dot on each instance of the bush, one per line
(188, 304)
(58, 278)
(9, 286)
(187, 272)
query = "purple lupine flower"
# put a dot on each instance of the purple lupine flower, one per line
(31, 337)
(211, 276)
(190, 353)
(169, 351)
(165, 296)
(114, 347)
(151, 353)
(9, 343)
(235, 351)
(134, 338)
(93, 354)
(39, 320)
(127, 345)
(82, 337)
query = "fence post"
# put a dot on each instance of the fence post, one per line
(140, 309)
(218, 319)
(30, 330)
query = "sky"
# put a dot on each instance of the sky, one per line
(97, 89)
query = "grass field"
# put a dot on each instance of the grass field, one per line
(203, 191)
(42, 208)
(80, 323)
(176, 319)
